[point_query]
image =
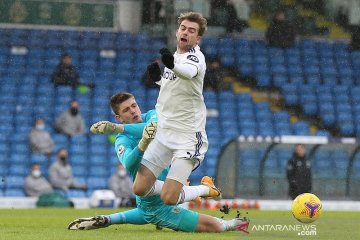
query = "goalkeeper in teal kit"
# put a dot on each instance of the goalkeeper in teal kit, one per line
(134, 136)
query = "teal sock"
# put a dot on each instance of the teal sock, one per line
(132, 216)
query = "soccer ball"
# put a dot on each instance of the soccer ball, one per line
(306, 208)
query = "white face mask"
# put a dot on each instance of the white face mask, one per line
(40, 127)
(122, 173)
(36, 173)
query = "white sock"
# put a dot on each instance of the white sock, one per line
(189, 193)
(228, 225)
(155, 189)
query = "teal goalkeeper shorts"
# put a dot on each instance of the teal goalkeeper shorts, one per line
(169, 216)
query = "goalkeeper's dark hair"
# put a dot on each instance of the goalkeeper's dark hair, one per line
(194, 17)
(119, 98)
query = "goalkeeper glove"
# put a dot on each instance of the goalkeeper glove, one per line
(148, 135)
(167, 58)
(106, 127)
(154, 72)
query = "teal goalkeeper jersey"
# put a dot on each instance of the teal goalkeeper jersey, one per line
(126, 147)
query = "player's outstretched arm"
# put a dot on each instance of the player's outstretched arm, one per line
(105, 127)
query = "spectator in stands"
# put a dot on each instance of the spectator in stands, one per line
(223, 13)
(71, 122)
(280, 33)
(153, 11)
(35, 183)
(65, 73)
(342, 17)
(60, 173)
(121, 184)
(40, 140)
(355, 38)
(214, 77)
(299, 172)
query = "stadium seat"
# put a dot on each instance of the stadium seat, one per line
(79, 170)
(97, 183)
(14, 182)
(99, 171)
(301, 128)
(75, 194)
(18, 170)
(40, 159)
(14, 193)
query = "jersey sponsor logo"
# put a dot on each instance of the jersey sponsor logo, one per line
(193, 58)
(169, 75)
(121, 150)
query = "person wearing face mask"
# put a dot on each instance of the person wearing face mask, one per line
(60, 173)
(40, 140)
(35, 183)
(121, 184)
(71, 122)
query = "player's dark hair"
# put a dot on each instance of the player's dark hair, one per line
(119, 98)
(194, 17)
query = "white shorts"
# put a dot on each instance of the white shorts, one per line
(186, 149)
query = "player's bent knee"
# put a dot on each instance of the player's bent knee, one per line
(139, 190)
(169, 198)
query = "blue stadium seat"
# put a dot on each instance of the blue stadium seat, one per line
(283, 129)
(99, 171)
(322, 133)
(301, 128)
(61, 140)
(3, 169)
(14, 182)
(263, 79)
(76, 194)
(18, 170)
(78, 149)
(279, 80)
(97, 183)
(79, 170)
(14, 193)
(40, 159)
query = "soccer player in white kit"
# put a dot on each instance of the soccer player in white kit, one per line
(181, 139)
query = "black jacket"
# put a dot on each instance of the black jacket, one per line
(299, 175)
(280, 34)
(66, 75)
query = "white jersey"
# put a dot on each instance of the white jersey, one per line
(180, 105)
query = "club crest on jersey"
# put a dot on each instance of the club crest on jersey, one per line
(193, 58)
(121, 150)
(176, 210)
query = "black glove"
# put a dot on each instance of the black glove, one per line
(167, 58)
(154, 72)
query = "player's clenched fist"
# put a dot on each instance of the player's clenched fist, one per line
(154, 72)
(148, 135)
(106, 127)
(167, 58)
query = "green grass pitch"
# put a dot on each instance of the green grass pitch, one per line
(38, 224)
